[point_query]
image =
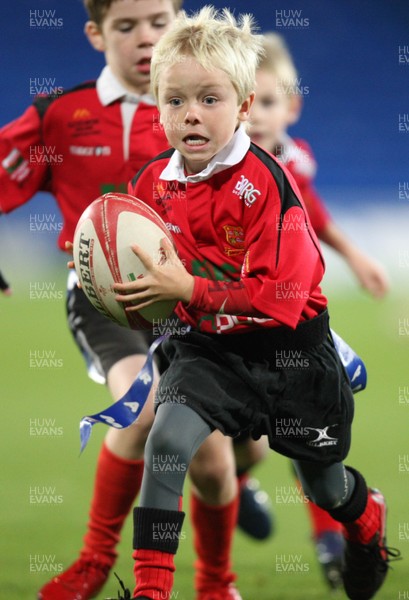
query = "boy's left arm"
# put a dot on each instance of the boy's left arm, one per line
(282, 266)
(370, 274)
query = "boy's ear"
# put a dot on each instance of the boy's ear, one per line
(244, 111)
(94, 35)
(294, 108)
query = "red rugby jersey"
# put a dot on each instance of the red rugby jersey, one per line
(72, 146)
(245, 235)
(297, 156)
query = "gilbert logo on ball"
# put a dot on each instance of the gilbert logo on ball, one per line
(103, 256)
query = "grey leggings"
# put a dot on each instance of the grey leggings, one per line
(177, 433)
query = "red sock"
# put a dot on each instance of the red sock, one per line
(321, 520)
(242, 478)
(213, 536)
(153, 573)
(364, 528)
(117, 483)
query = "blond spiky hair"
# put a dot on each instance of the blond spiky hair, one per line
(216, 40)
(278, 61)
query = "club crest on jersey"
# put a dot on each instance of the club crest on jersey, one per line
(235, 238)
(246, 190)
(83, 123)
(81, 113)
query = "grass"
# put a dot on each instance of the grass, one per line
(57, 395)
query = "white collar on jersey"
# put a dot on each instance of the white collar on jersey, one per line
(230, 155)
(109, 89)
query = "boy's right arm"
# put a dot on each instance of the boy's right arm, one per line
(21, 175)
(4, 286)
(22, 172)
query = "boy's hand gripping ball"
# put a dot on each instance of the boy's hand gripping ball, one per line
(103, 256)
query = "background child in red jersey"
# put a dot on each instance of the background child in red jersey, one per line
(105, 131)
(277, 106)
(229, 368)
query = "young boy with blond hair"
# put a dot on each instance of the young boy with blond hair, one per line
(277, 106)
(229, 367)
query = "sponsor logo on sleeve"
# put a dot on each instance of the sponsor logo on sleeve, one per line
(16, 166)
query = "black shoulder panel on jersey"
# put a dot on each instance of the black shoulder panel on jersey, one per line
(42, 103)
(165, 154)
(287, 194)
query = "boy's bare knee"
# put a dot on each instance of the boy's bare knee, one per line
(212, 470)
(250, 452)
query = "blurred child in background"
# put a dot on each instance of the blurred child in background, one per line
(278, 105)
(106, 130)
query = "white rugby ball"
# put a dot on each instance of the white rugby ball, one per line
(103, 256)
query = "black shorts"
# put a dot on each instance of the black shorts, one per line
(102, 342)
(288, 385)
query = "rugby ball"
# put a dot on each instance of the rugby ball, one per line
(103, 256)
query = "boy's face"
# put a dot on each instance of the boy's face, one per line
(127, 36)
(270, 114)
(199, 111)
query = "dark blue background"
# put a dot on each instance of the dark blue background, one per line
(347, 56)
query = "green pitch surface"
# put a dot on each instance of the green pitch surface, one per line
(46, 486)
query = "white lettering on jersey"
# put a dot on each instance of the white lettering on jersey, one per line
(225, 322)
(90, 150)
(173, 228)
(246, 190)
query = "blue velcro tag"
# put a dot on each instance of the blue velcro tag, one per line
(354, 365)
(125, 411)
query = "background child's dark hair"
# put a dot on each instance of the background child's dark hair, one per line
(97, 9)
